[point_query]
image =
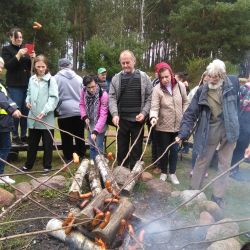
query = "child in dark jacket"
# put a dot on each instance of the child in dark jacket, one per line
(7, 109)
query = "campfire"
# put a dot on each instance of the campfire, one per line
(102, 218)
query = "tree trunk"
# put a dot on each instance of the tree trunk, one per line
(121, 175)
(94, 181)
(105, 172)
(123, 211)
(76, 186)
(75, 239)
(88, 214)
(135, 171)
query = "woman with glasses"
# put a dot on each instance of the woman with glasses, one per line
(94, 111)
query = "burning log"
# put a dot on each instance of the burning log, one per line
(135, 171)
(123, 211)
(75, 239)
(76, 186)
(88, 213)
(94, 180)
(105, 172)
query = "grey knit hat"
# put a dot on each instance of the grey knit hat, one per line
(64, 63)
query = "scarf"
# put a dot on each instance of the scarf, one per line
(92, 103)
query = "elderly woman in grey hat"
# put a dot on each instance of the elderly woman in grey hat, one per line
(69, 86)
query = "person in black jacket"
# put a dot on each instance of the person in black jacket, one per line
(18, 65)
(7, 109)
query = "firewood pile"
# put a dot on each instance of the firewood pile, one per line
(103, 218)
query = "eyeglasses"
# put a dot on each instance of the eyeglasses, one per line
(91, 87)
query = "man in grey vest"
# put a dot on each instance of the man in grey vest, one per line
(129, 104)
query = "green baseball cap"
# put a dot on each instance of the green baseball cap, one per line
(101, 70)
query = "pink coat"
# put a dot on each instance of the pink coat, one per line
(102, 110)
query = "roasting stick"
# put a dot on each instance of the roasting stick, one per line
(116, 147)
(202, 225)
(126, 157)
(195, 195)
(31, 199)
(41, 232)
(211, 241)
(149, 133)
(40, 184)
(129, 181)
(34, 178)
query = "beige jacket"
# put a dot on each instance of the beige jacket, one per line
(168, 109)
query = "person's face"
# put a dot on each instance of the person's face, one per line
(41, 68)
(206, 79)
(213, 79)
(91, 87)
(102, 76)
(17, 41)
(165, 77)
(127, 63)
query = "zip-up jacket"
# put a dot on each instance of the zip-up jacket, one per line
(7, 107)
(200, 112)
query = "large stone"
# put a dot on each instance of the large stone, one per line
(6, 197)
(25, 187)
(222, 230)
(158, 188)
(187, 194)
(206, 218)
(229, 244)
(57, 182)
(146, 176)
(212, 208)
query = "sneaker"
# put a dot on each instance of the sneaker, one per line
(6, 180)
(24, 139)
(16, 140)
(157, 170)
(46, 171)
(191, 173)
(24, 169)
(173, 179)
(163, 177)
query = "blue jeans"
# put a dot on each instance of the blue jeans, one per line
(99, 143)
(18, 95)
(5, 145)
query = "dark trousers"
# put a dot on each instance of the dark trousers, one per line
(164, 139)
(127, 134)
(34, 138)
(75, 126)
(242, 144)
(154, 147)
(5, 146)
(18, 95)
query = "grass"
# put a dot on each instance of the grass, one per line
(237, 196)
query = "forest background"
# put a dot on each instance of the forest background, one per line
(185, 33)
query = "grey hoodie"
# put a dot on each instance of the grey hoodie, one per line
(69, 86)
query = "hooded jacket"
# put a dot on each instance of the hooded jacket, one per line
(200, 112)
(69, 87)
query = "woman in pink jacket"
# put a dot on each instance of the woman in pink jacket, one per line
(94, 111)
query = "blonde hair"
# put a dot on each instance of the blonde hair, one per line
(217, 67)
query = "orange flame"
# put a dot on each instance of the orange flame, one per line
(100, 243)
